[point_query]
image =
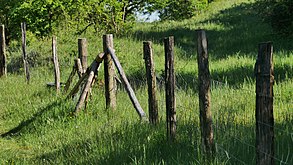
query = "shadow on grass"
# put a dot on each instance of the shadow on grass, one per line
(184, 80)
(238, 75)
(233, 77)
(137, 143)
(26, 123)
(144, 144)
(240, 29)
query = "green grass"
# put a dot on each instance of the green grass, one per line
(42, 130)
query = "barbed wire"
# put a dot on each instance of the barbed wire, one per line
(252, 146)
(273, 126)
(229, 154)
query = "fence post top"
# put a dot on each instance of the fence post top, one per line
(108, 35)
(170, 37)
(147, 42)
(266, 43)
(200, 30)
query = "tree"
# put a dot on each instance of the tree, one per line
(111, 16)
(176, 10)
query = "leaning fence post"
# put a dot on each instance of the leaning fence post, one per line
(25, 61)
(151, 80)
(204, 94)
(56, 63)
(109, 73)
(2, 52)
(264, 71)
(170, 88)
(82, 52)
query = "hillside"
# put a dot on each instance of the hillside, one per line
(37, 125)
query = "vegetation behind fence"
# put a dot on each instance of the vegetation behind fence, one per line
(44, 131)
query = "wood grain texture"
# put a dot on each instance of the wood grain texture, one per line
(205, 95)
(264, 71)
(170, 88)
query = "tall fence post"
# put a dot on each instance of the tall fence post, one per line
(56, 63)
(127, 85)
(109, 73)
(170, 88)
(264, 71)
(25, 61)
(151, 80)
(82, 52)
(205, 95)
(2, 52)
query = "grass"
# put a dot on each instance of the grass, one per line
(37, 126)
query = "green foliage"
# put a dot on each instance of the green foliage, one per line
(43, 131)
(43, 17)
(176, 10)
(279, 13)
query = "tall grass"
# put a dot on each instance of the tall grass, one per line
(38, 127)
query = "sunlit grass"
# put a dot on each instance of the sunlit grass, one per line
(45, 132)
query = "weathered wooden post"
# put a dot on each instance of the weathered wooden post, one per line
(82, 52)
(2, 52)
(24, 55)
(109, 73)
(170, 88)
(205, 95)
(56, 63)
(127, 85)
(151, 80)
(92, 72)
(264, 71)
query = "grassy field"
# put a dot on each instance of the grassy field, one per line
(37, 126)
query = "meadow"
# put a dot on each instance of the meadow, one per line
(37, 125)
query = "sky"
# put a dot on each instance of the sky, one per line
(148, 18)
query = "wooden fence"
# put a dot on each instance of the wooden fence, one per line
(87, 75)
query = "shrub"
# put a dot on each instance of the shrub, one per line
(279, 13)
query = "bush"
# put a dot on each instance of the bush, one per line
(181, 9)
(279, 13)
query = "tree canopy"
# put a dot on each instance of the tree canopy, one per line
(114, 16)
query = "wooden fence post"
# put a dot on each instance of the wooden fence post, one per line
(170, 88)
(127, 85)
(2, 52)
(109, 73)
(205, 95)
(82, 52)
(264, 71)
(25, 61)
(56, 63)
(151, 80)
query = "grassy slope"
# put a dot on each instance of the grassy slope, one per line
(44, 131)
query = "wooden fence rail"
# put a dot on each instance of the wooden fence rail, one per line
(264, 87)
(127, 85)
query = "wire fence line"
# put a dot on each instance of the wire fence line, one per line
(229, 154)
(251, 146)
(276, 128)
(280, 102)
